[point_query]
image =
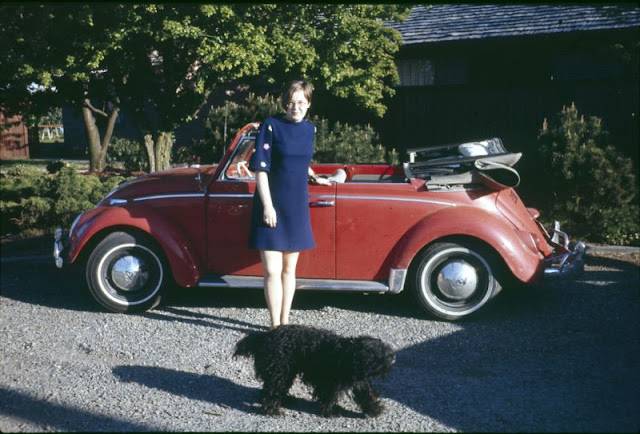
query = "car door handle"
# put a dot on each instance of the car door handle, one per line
(322, 203)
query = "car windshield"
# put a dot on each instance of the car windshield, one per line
(238, 168)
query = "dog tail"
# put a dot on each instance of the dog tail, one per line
(249, 345)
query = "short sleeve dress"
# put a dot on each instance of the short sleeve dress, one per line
(283, 149)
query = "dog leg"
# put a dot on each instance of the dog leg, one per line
(367, 399)
(274, 390)
(328, 398)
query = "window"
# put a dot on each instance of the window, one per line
(415, 72)
(238, 168)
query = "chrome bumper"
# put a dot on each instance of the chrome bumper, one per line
(58, 248)
(570, 262)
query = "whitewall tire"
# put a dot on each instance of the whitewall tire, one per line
(126, 273)
(452, 281)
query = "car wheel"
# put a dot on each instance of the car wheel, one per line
(126, 273)
(451, 280)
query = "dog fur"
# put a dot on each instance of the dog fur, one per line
(330, 364)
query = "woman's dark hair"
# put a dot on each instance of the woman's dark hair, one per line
(294, 86)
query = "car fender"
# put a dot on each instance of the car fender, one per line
(184, 267)
(470, 222)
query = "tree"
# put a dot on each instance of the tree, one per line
(164, 61)
(56, 54)
(345, 50)
(180, 55)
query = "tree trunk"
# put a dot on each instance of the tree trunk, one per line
(164, 144)
(148, 144)
(97, 148)
(93, 139)
(159, 151)
(106, 139)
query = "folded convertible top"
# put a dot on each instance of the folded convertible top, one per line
(464, 163)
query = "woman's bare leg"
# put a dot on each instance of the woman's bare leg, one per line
(272, 265)
(290, 260)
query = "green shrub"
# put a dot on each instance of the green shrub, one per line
(55, 166)
(35, 212)
(130, 153)
(592, 188)
(344, 143)
(27, 170)
(22, 182)
(199, 152)
(335, 142)
(40, 202)
(253, 109)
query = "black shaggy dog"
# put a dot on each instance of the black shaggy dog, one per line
(327, 362)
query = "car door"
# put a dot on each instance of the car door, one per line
(228, 218)
(370, 221)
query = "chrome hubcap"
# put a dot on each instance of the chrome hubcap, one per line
(129, 273)
(457, 280)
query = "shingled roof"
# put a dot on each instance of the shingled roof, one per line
(451, 22)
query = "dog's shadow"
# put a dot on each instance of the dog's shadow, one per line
(213, 389)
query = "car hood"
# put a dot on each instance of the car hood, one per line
(180, 180)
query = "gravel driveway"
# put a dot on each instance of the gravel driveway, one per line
(563, 357)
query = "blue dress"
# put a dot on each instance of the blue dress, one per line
(283, 149)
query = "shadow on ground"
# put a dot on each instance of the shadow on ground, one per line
(41, 283)
(562, 357)
(210, 389)
(52, 416)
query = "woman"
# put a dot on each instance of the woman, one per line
(280, 223)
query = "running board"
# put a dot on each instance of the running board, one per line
(212, 281)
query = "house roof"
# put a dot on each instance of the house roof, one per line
(452, 22)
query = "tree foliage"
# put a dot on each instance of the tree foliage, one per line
(593, 189)
(345, 49)
(163, 61)
(336, 142)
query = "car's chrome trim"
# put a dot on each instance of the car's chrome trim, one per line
(565, 265)
(116, 201)
(304, 284)
(558, 234)
(168, 196)
(106, 292)
(397, 277)
(58, 247)
(75, 222)
(393, 198)
(248, 195)
(226, 195)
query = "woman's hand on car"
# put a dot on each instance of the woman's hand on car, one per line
(320, 180)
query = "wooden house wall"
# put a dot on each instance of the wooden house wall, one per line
(14, 138)
(509, 86)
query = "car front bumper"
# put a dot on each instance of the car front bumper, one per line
(569, 262)
(59, 244)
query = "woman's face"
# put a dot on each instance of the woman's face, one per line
(297, 107)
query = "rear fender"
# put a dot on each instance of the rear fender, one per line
(524, 264)
(184, 266)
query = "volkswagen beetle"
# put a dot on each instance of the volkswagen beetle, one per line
(446, 225)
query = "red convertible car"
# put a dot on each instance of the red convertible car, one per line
(447, 225)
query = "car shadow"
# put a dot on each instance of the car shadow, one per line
(211, 389)
(43, 284)
(49, 415)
